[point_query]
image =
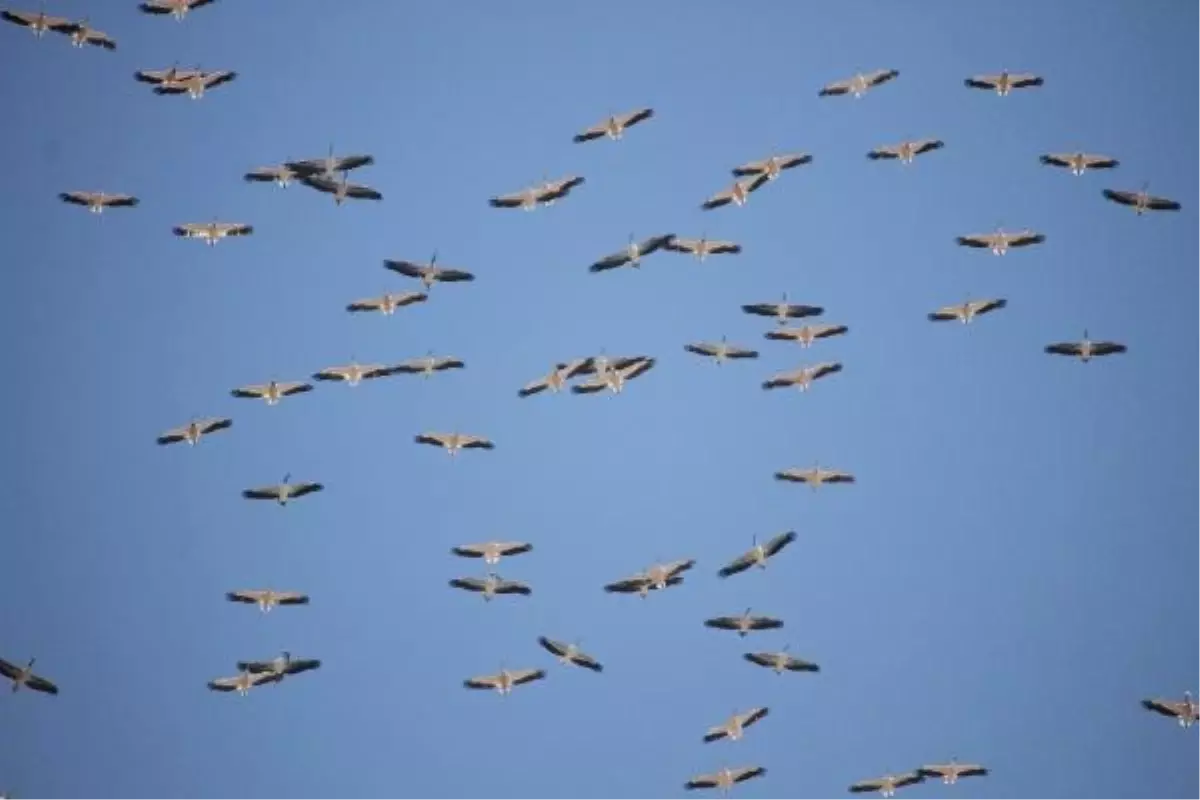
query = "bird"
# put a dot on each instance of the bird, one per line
(1078, 163)
(815, 476)
(1185, 711)
(212, 232)
(96, 202)
(950, 772)
(279, 174)
(195, 84)
(744, 623)
(491, 586)
(783, 310)
(283, 492)
(1000, 242)
(266, 599)
(242, 683)
(640, 585)
(614, 378)
(1004, 83)
(1141, 201)
(170, 76)
(24, 676)
(1086, 349)
(273, 391)
(780, 661)
(544, 194)
(454, 442)
(491, 552)
(280, 667)
(429, 273)
(906, 151)
(734, 728)
(387, 303)
(354, 373)
(758, 555)
(569, 653)
(329, 166)
(720, 351)
(176, 8)
(968, 311)
(342, 189)
(703, 247)
(725, 778)
(195, 429)
(632, 253)
(428, 364)
(614, 126)
(860, 84)
(38, 23)
(603, 363)
(82, 33)
(802, 377)
(772, 166)
(805, 335)
(738, 193)
(556, 379)
(505, 680)
(888, 784)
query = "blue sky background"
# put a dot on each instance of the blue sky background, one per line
(1014, 571)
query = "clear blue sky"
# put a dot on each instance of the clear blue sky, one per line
(1014, 571)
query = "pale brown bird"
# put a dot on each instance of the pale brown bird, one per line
(242, 683)
(491, 552)
(758, 555)
(744, 623)
(1078, 163)
(24, 676)
(212, 232)
(544, 194)
(1185, 711)
(614, 126)
(858, 85)
(640, 585)
(505, 680)
(428, 364)
(171, 75)
(1001, 242)
(703, 247)
(38, 23)
(1141, 201)
(196, 83)
(176, 8)
(273, 391)
(266, 599)
(342, 189)
(802, 377)
(632, 253)
(569, 653)
(950, 772)
(195, 429)
(781, 661)
(720, 351)
(968, 311)
(815, 476)
(735, 727)
(283, 492)
(279, 174)
(1004, 83)
(354, 373)
(1086, 349)
(490, 586)
(280, 667)
(96, 202)
(614, 378)
(738, 193)
(805, 335)
(454, 442)
(556, 379)
(387, 303)
(428, 273)
(905, 151)
(888, 784)
(82, 33)
(783, 310)
(773, 166)
(725, 778)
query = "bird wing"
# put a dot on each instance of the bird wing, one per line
(595, 132)
(296, 666)
(76, 198)
(944, 314)
(821, 370)
(977, 240)
(703, 782)
(482, 682)
(610, 262)
(533, 387)
(1024, 80)
(1056, 159)
(779, 542)
(363, 192)
(1024, 238)
(590, 386)
(256, 390)
(701, 349)
(800, 665)
(263, 493)
(739, 564)
(872, 785)
(1107, 348)
(586, 661)
(721, 198)
(982, 81)
(1122, 197)
(469, 584)
(794, 160)
(678, 567)
(822, 331)
(1168, 708)
(10, 671)
(307, 487)
(648, 246)
(1064, 348)
(368, 304)
(751, 168)
(513, 587)
(1162, 204)
(880, 76)
(218, 77)
(761, 659)
(256, 667)
(480, 442)
(746, 773)
(733, 351)
(245, 596)
(723, 247)
(320, 183)
(438, 439)
(454, 275)
(507, 200)
(795, 475)
(724, 623)
(347, 163)
(985, 306)
(410, 269)
(717, 732)
(764, 623)
(886, 151)
(291, 598)
(1093, 161)
(836, 88)
(678, 245)
(555, 647)
(636, 368)
(522, 676)
(907, 779)
(634, 583)
(634, 117)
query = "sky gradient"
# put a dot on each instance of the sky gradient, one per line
(1014, 570)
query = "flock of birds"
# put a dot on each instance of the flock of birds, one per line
(599, 373)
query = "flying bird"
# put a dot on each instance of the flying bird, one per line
(283, 492)
(1185, 711)
(491, 552)
(758, 555)
(428, 364)
(330, 166)
(1004, 83)
(859, 84)
(387, 303)
(735, 727)
(212, 232)
(273, 391)
(82, 33)
(966, 312)
(1001, 242)
(195, 429)
(744, 623)
(544, 194)
(725, 779)
(703, 247)
(1078, 163)
(640, 585)
(505, 680)
(614, 126)
(781, 661)
(242, 683)
(888, 784)
(950, 772)
(802, 377)
(569, 653)
(491, 586)
(171, 76)
(342, 189)
(96, 202)
(720, 351)
(280, 174)
(454, 442)
(773, 166)
(556, 379)
(782, 311)
(1086, 349)
(1141, 201)
(814, 476)
(738, 193)
(196, 83)
(615, 378)
(38, 23)
(805, 335)
(906, 151)
(266, 599)
(280, 667)
(429, 273)
(25, 676)
(176, 8)
(354, 373)
(632, 253)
